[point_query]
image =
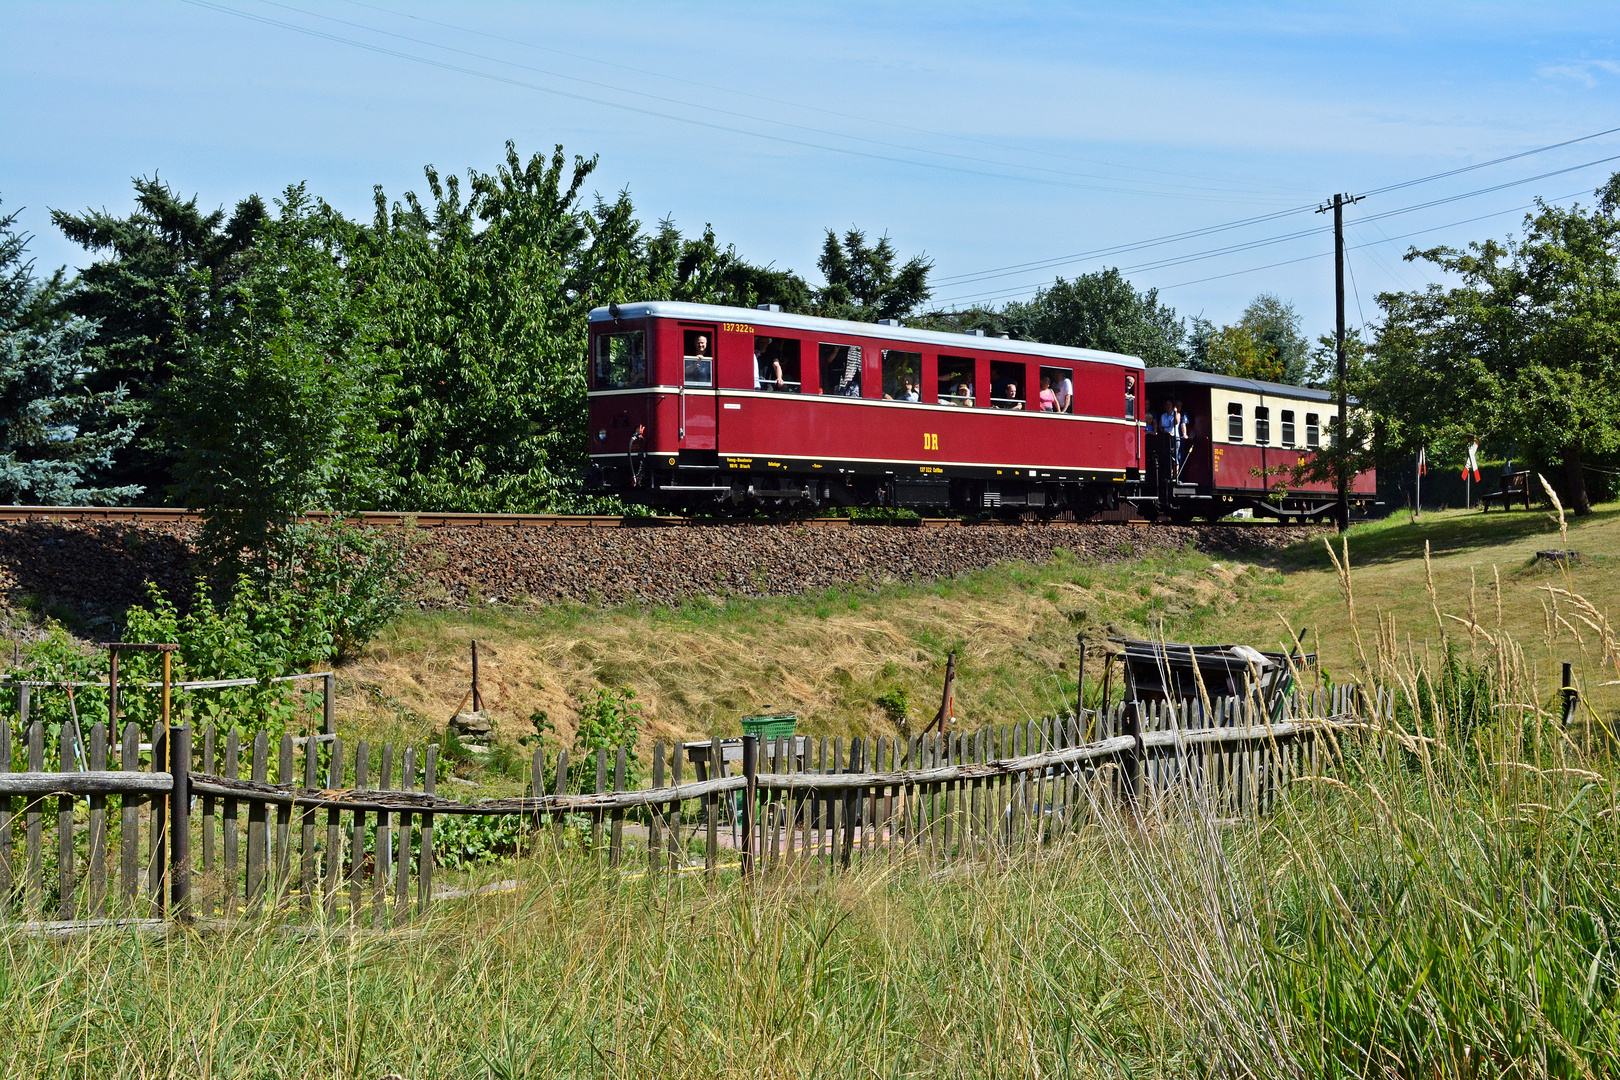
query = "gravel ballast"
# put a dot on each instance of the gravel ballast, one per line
(98, 569)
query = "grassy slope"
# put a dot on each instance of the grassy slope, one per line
(696, 668)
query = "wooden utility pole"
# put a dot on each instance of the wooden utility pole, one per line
(1341, 444)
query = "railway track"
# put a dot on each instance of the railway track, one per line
(153, 515)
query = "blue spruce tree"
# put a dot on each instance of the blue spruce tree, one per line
(56, 435)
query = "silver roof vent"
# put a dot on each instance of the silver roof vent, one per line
(1004, 337)
(974, 333)
(768, 307)
(890, 322)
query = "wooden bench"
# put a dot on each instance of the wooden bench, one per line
(1515, 485)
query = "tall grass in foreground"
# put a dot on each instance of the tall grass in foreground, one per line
(1445, 902)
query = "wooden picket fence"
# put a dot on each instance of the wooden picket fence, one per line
(230, 830)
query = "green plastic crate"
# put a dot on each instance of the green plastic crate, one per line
(770, 725)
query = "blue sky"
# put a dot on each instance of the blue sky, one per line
(987, 136)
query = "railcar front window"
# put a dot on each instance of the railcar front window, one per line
(621, 361)
(841, 370)
(699, 356)
(776, 364)
(1262, 425)
(1234, 422)
(956, 380)
(902, 375)
(1288, 427)
(1313, 431)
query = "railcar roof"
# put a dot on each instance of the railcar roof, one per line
(811, 324)
(1160, 375)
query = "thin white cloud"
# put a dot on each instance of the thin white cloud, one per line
(1581, 71)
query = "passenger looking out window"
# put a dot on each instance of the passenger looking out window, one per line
(956, 380)
(621, 361)
(1007, 384)
(841, 370)
(901, 373)
(699, 359)
(776, 364)
(1048, 395)
(1062, 387)
(1130, 397)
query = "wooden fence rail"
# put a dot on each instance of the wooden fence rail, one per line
(218, 843)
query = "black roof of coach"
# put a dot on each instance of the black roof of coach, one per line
(1159, 376)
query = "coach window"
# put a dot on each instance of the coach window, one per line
(621, 361)
(1262, 425)
(776, 364)
(699, 354)
(1062, 382)
(1234, 422)
(956, 380)
(902, 375)
(1007, 384)
(841, 370)
(1313, 431)
(1288, 427)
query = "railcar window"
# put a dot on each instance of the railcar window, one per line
(1262, 425)
(699, 354)
(1007, 384)
(1234, 422)
(1062, 380)
(841, 370)
(902, 375)
(1288, 427)
(1130, 397)
(956, 380)
(1313, 431)
(776, 364)
(621, 361)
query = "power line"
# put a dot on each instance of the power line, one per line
(1199, 256)
(1042, 264)
(710, 125)
(1371, 244)
(643, 70)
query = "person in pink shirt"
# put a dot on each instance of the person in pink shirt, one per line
(1049, 401)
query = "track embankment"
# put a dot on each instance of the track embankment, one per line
(86, 570)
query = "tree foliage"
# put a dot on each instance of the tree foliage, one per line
(1525, 348)
(864, 282)
(149, 296)
(1265, 343)
(57, 436)
(1103, 311)
(280, 405)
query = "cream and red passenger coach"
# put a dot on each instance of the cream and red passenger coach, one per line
(694, 405)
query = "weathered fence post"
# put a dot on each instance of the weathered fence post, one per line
(717, 769)
(1569, 694)
(179, 820)
(1132, 764)
(64, 832)
(328, 704)
(157, 837)
(5, 823)
(750, 764)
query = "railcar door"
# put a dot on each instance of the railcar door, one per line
(699, 401)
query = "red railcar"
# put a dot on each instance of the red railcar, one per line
(693, 404)
(1243, 441)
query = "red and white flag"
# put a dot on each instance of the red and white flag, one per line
(1472, 465)
(1423, 461)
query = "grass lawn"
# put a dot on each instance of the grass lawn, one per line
(831, 656)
